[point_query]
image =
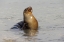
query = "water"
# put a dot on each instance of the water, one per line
(49, 13)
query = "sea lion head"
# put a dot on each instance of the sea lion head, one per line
(28, 9)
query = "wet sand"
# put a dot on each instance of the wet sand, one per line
(49, 13)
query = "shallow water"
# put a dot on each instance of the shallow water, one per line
(49, 13)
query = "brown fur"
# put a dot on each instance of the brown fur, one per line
(29, 20)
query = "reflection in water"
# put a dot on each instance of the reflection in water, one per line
(29, 32)
(30, 35)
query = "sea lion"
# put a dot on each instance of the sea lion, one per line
(29, 20)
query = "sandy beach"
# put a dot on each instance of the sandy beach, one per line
(49, 13)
